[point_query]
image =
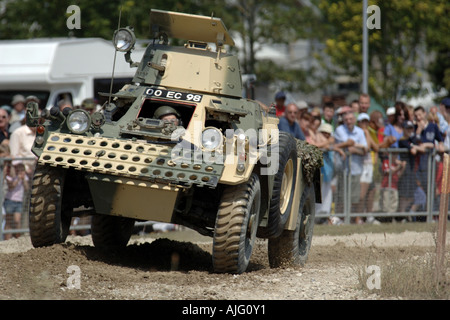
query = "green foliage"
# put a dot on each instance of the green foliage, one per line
(410, 30)
(24, 19)
(395, 50)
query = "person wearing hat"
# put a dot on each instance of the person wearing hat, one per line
(280, 99)
(390, 114)
(324, 139)
(367, 182)
(302, 107)
(18, 108)
(167, 113)
(394, 128)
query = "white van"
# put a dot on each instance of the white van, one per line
(62, 68)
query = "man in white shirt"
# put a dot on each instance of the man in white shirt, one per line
(349, 131)
(20, 144)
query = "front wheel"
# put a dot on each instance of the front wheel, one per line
(50, 217)
(283, 187)
(292, 246)
(236, 225)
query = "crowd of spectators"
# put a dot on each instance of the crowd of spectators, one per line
(16, 140)
(354, 139)
(17, 160)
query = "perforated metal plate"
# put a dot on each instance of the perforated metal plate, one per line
(127, 158)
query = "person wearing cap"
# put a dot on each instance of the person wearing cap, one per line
(280, 99)
(407, 181)
(288, 122)
(324, 141)
(390, 114)
(18, 108)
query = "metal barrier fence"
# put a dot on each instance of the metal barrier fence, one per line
(387, 194)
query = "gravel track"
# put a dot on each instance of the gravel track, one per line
(181, 269)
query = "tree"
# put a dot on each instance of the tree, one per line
(25, 19)
(439, 42)
(396, 50)
(255, 23)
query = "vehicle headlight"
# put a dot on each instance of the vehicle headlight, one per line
(212, 138)
(124, 39)
(78, 121)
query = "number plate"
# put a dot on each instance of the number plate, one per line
(175, 95)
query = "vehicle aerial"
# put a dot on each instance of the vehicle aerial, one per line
(178, 144)
(59, 69)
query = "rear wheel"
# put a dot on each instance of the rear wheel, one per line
(283, 187)
(292, 246)
(236, 225)
(111, 231)
(50, 217)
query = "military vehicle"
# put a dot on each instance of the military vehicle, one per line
(177, 145)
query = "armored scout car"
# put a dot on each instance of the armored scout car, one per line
(176, 145)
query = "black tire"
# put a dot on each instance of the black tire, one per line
(281, 200)
(111, 231)
(49, 218)
(292, 247)
(236, 225)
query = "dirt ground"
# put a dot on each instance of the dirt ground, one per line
(177, 266)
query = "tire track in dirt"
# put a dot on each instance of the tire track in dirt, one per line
(175, 269)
